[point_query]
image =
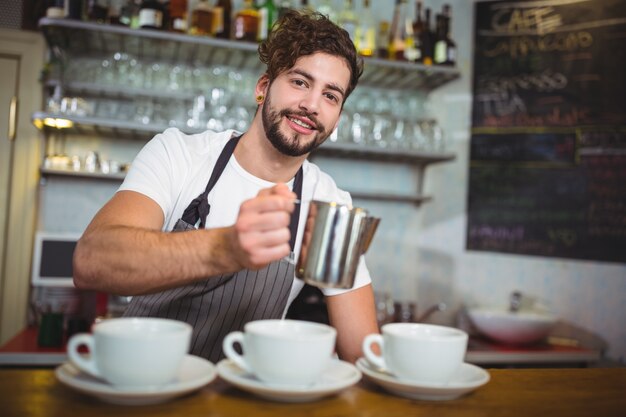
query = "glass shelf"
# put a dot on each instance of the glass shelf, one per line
(105, 127)
(119, 177)
(51, 172)
(120, 128)
(114, 91)
(76, 38)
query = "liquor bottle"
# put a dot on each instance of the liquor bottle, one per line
(222, 15)
(418, 29)
(410, 52)
(396, 34)
(246, 23)
(165, 5)
(75, 9)
(178, 16)
(202, 19)
(151, 14)
(328, 10)
(129, 15)
(347, 19)
(97, 10)
(268, 14)
(55, 9)
(445, 48)
(115, 12)
(427, 40)
(365, 36)
(382, 40)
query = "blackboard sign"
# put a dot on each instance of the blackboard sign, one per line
(548, 148)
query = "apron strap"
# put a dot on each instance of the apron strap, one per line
(295, 216)
(199, 208)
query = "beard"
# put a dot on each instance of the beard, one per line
(293, 145)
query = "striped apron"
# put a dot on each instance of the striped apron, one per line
(218, 305)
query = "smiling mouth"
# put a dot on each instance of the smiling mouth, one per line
(301, 123)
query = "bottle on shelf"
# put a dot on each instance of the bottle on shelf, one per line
(365, 36)
(427, 40)
(397, 32)
(246, 23)
(382, 40)
(165, 5)
(97, 10)
(55, 9)
(410, 51)
(178, 16)
(75, 9)
(445, 48)
(268, 14)
(202, 19)
(347, 19)
(151, 14)
(129, 15)
(222, 15)
(115, 12)
(418, 30)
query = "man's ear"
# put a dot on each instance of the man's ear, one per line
(262, 85)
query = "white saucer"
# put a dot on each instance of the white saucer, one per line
(337, 377)
(194, 373)
(467, 379)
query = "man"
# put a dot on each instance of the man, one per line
(233, 198)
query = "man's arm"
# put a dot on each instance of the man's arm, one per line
(353, 314)
(123, 251)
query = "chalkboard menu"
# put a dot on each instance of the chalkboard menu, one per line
(548, 148)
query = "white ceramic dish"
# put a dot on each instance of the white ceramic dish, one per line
(467, 379)
(194, 373)
(339, 376)
(517, 328)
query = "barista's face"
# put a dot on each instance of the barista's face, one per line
(302, 105)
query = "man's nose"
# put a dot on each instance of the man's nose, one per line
(310, 103)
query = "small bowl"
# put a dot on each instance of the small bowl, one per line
(516, 328)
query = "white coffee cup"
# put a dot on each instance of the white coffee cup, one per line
(285, 352)
(418, 352)
(133, 351)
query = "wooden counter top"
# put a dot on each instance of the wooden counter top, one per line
(596, 392)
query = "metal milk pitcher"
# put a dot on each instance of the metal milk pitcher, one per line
(335, 236)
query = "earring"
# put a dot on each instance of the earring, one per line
(259, 98)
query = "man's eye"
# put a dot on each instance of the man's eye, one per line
(299, 82)
(332, 97)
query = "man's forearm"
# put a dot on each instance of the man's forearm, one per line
(130, 261)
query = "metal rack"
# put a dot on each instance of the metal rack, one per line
(77, 38)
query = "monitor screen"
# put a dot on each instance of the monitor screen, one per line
(52, 259)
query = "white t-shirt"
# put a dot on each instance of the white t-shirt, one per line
(174, 168)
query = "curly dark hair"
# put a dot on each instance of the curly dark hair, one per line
(297, 34)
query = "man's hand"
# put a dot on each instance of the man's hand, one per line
(261, 232)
